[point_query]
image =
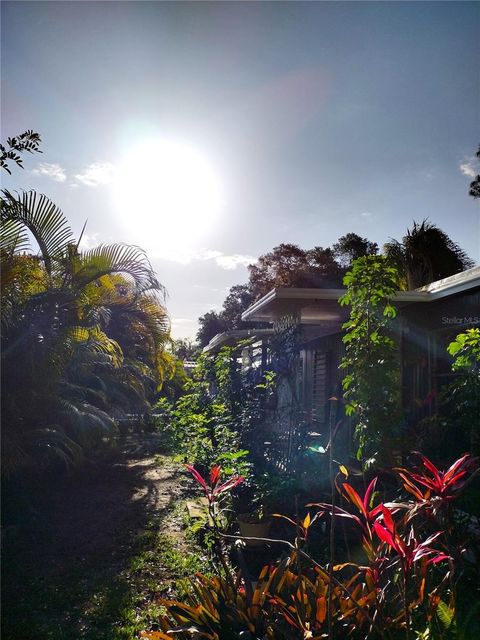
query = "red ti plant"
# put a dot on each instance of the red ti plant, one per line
(434, 488)
(212, 488)
(410, 550)
(367, 515)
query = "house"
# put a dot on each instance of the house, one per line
(428, 320)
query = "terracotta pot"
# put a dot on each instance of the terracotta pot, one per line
(259, 529)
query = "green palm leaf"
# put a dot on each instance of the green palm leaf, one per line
(13, 237)
(43, 219)
(128, 260)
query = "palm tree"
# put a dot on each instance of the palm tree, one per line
(66, 362)
(425, 254)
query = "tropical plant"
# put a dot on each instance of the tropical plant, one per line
(82, 333)
(463, 394)
(406, 585)
(372, 382)
(474, 189)
(425, 254)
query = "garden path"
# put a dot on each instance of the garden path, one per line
(87, 560)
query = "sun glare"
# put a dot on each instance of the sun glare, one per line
(167, 194)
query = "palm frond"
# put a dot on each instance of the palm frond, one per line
(128, 260)
(13, 237)
(43, 219)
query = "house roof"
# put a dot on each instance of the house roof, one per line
(230, 338)
(464, 281)
(320, 306)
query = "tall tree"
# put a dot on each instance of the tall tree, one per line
(210, 323)
(475, 184)
(290, 266)
(350, 247)
(83, 334)
(238, 299)
(425, 254)
(284, 266)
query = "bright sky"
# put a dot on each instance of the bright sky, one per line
(208, 133)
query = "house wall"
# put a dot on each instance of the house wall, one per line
(426, 331)
(423, 331)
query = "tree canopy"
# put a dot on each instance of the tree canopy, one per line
(287, 265)
(474, 190)
(425, 254)
(84, 335)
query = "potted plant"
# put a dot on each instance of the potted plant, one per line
(255, 524)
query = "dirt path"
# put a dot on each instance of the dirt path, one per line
(82, 566)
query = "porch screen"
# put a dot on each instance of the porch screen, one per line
(320, 390)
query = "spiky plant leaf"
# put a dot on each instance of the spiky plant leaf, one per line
(42, 218)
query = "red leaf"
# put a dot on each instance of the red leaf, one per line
(368, 493)
(354, 498)
(387, 518)
(214, 475)
(428, 464)
(383, 534)
(439, 558)
(450, 472)
(198, 478)
(229, 484)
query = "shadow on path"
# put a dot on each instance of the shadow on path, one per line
(66, 573)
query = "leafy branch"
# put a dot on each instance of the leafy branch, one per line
(371, 385)
(27, 141)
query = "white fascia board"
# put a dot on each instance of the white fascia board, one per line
(469, 279)
(259, 310)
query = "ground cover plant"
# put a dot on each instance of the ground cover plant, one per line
(406, 583)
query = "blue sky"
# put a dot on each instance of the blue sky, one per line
(316, 119)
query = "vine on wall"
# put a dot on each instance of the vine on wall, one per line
(372, 383)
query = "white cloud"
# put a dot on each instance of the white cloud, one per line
(207, 254)
(53, 171)
(88, 241)
(366, 214)
(223, 260)
(97, 173)
(468, 168)
(233, 261)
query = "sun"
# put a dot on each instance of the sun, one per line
(167, 193)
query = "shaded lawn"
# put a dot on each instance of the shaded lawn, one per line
(104, 545)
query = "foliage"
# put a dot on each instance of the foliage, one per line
(463, 395)
(238, 299)
(285, 266)
(212, 487)
(425, 254)
(185, 349)
(83, 335)
(466, 351)
(404, 584)
(211, 323)
(290, 266)
(474, 190)
(350, 247)
(27, 141)
(230, 317)
(372, 382)
(204, 424)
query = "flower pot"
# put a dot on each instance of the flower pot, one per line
(251, 528)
